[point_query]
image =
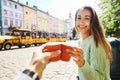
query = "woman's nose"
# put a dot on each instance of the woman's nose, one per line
(81, 21)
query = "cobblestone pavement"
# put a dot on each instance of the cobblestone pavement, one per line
(12, 62)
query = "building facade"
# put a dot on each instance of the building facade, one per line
(1, 32)
(15, 14)
(12, 15)
(30, 17)
(42, 20)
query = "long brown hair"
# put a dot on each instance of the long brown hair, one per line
(97, 31)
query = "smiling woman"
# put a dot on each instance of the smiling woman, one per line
(95, 64)
(82, 22)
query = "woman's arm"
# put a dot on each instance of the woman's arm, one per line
(37, 66)
(97, 67)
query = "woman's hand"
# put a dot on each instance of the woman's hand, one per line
(40, 60)
(77, 54)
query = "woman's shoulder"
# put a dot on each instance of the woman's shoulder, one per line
(92, 43)
(89, 40)
(86, 40)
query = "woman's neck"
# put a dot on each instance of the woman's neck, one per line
(84, 36)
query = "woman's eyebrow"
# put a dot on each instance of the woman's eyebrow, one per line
(79, 15)
(87, 16)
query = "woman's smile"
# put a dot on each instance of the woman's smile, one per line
(82, 27)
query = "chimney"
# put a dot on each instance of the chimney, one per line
(18, 1)
(27, 3)
(70, 15)
(34, 6)
(47, 12)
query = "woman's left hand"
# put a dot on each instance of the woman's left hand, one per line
(77, 54)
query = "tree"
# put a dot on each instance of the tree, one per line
(73, 32)
(110, 16)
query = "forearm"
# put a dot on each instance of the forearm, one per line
(30, 74)
(37, 66)
(88, 72)
(92, 73)
(38, 71)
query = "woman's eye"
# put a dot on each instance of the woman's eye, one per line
(87, 18)
(79, 18)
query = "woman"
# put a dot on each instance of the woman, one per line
(94, 55)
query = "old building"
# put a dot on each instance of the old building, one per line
(11, 15)
(19, 15)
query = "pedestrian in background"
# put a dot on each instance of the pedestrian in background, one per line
(94, 55)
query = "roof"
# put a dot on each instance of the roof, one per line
(21, 30)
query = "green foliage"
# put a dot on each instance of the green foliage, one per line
(110, 16)
(74, 32)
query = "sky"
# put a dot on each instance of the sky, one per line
(61, 8)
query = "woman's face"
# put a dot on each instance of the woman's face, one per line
(83, 22)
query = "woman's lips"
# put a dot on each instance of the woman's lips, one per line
(82, 27)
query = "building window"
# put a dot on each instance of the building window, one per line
(16, 15)
(26, 19)
(20, 8)
(27, 27)
(20, 23)
(26, 12)
(5, 21)
(4, 2)
(10, 4)
(31, 14)
(16, 22)
(15, 6)
(20, 16)
(5, 12)
(11, 21)
(11, 13)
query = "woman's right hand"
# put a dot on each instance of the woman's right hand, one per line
(77, 54)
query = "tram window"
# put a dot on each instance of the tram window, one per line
(27, 34)
(16, 33)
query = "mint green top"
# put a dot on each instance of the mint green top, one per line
(97, 65)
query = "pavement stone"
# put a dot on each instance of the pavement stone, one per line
(12, 62)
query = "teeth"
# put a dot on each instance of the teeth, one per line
(82, 27)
